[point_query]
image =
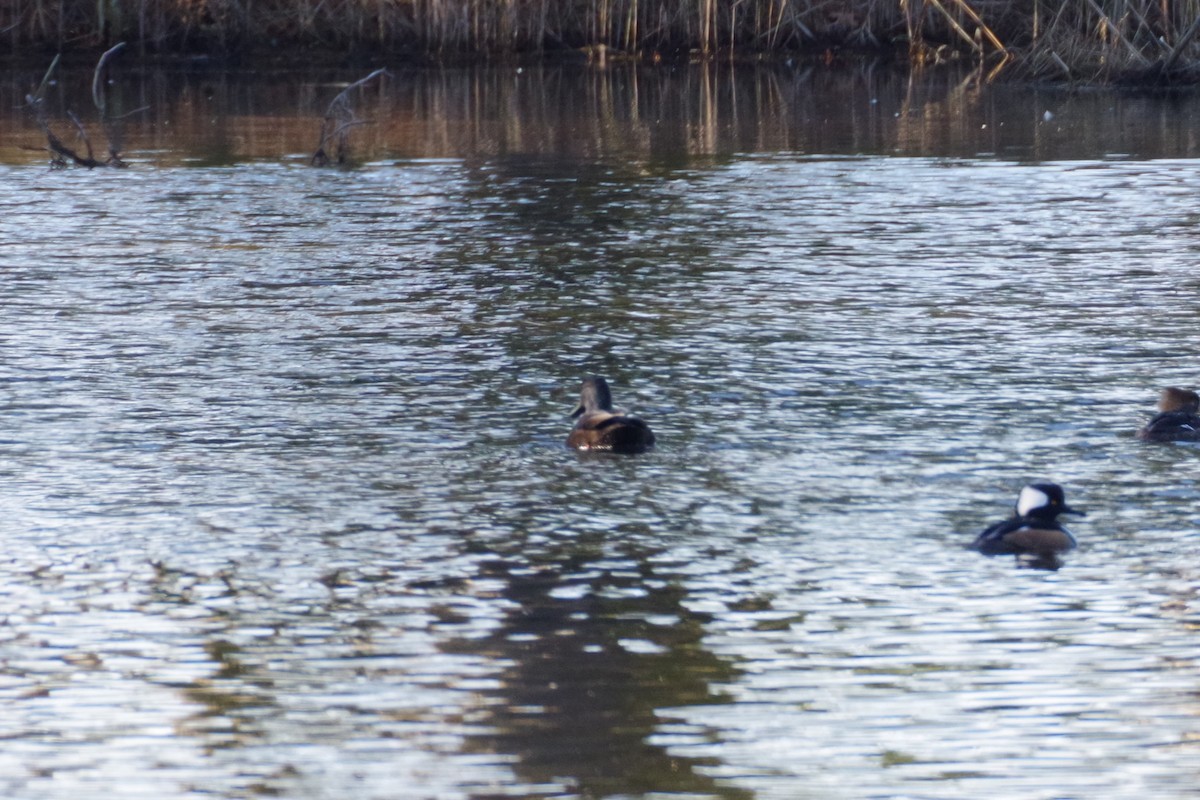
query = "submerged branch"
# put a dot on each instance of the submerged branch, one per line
(342, 99)
(98, 75)
(61, 154)
(338, 120)
(91, 156)
(39, 93)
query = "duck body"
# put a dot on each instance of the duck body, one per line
(1034, 529)
(600, 427)
(1178, 418)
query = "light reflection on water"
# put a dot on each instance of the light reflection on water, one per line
(287, 510)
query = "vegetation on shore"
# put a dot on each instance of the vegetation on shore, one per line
(1145, 41)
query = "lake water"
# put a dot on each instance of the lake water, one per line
(286, 509)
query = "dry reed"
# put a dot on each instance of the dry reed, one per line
(1082, 39)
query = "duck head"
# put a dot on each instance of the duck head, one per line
(594, 395)
(1175, 399)
(1043, 501)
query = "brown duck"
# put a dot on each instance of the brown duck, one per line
(601, 428)
(1178, 418)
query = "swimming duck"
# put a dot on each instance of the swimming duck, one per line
(601, 428)
(1178, 418)
(1034, 530)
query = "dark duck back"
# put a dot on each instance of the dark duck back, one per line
(599, 427)
(1178, 418)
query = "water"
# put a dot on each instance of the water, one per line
(287, 512)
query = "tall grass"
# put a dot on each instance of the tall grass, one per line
(1081, 38)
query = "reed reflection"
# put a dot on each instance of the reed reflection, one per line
(599, 647)
(579, 268)
(680, 115)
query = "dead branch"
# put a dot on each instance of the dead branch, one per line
(60, 153)
(112, 131)
(91, 156)
(40, 92)
(338, 120)
(98, 75)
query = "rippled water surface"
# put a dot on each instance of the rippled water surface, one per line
(286, 509)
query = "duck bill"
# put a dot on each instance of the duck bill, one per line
(1069, 510)
(579, 409)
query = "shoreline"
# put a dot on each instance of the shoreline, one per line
(1145, 46)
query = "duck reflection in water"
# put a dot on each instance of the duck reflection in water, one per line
(1033, 534)
(1178, 418)
(600, 427)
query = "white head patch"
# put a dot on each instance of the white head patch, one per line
(1030, 499)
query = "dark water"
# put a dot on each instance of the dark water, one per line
(287, 512)
(649, 118)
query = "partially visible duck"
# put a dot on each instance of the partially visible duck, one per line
(601, 428)
(1034, 530)
(1178, 418)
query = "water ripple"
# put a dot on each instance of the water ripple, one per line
(286, 501)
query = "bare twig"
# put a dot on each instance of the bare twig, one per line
(130, 113)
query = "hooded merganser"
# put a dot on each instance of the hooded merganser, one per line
(1033, 530)
(601, 428)
(1178, 418)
